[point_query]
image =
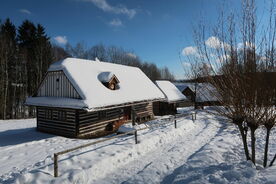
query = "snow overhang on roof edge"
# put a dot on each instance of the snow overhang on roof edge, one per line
(90, 109)
(123, 105)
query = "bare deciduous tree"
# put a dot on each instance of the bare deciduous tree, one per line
(241, 56)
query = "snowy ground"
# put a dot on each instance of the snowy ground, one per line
(205, 151)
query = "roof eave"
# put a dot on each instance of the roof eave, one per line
(123, 105)
(178, 101)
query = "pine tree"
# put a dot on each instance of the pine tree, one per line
(36, 54)
(43, 53)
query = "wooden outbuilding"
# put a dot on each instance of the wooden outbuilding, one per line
(173, 98)
(201, 94)
(84, 98)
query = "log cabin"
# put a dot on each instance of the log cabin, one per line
(200, 94)
(84, 98)
(173, 98)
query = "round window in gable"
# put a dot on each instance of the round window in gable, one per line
(109, 80)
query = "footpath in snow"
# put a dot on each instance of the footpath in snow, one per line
(205, 151)
(155, 165)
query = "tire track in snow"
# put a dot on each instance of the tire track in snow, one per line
(153, 167)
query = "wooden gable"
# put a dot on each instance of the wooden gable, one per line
(190, 94)
(112, 83)
(56, 84)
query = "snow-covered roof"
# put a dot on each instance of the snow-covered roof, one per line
(171, 92)
(183, 86)
(204, 91)
(85, 76)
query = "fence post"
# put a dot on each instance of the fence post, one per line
(132, 116)
(175, 123)
(193, 116)
(55, 165)
(136, 138)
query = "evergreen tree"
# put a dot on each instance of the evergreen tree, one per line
(36, 55)
(26, 41)
(25, 55)
(43, 54)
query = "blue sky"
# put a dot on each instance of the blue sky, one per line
(155, 30)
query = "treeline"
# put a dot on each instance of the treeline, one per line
(26, 53)
(118, 55)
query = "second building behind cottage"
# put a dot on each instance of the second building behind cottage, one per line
(173, 99)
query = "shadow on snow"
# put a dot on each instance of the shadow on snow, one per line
(20, 136)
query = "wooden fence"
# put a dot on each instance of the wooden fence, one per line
(134, 132)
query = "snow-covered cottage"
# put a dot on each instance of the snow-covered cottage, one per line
(173, 98)
(187, 89)
(84, 98)
(203, 94)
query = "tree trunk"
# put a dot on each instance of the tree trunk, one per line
(253, 141)
(244, 141)
(272, 161)
(266, 146)
(5, 101)
(6, 90)
(195, 103)
(14, 100)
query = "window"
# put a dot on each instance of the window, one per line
(48, 114)
(102, 114)
(112, 86)
(62, 115)
(57, 80)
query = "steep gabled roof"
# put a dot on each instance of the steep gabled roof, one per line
(170, 91)
(183, 86)
(134, 85)
(204, 91)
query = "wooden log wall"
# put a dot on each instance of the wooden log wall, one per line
(156, 108)
(56, 84)
(143, 112)
(164, 108)
(57, 121)
(79, 123)
(95, 123)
